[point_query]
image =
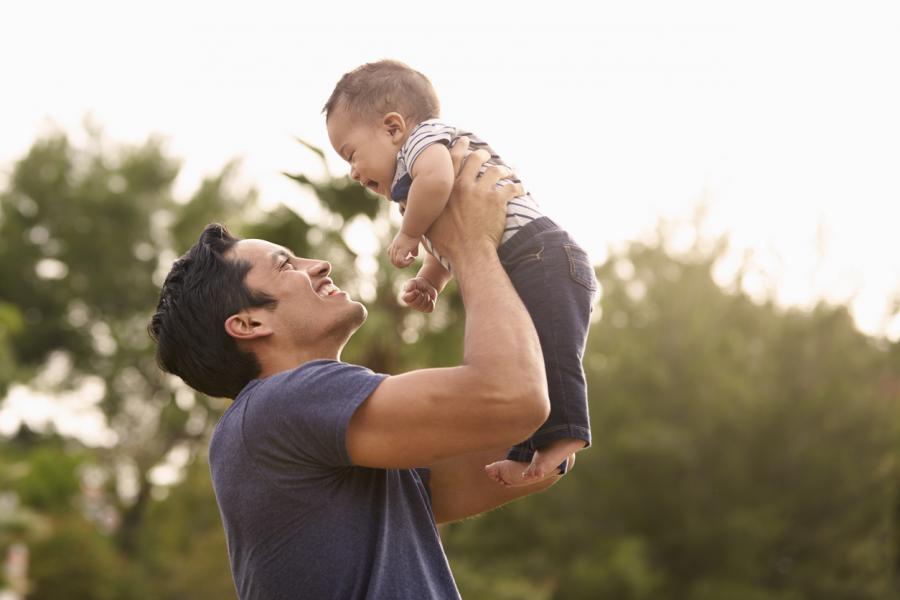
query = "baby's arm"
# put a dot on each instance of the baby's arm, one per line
(432, 176)
(432, 181)
(421, 292)
(434, 273)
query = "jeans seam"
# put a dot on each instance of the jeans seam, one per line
(515, 263)
(589, 284)
(563, 403)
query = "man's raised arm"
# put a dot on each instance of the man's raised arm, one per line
(498, 396)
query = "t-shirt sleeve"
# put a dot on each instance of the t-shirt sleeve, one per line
(301, 416)
(424, 135)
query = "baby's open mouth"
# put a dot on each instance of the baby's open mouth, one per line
(372, 185)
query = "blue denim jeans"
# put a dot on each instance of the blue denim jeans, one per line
(555, 279)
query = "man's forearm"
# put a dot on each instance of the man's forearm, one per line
(460, 488)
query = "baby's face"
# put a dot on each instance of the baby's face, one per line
(368, 146)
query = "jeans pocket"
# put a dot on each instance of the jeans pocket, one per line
(522, 258)
(580, 268)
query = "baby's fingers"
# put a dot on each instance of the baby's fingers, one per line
(421, 302)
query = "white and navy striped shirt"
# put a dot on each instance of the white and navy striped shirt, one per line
(520, 211)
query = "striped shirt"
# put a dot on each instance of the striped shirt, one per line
(520, 211)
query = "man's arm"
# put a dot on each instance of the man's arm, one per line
(498, 396)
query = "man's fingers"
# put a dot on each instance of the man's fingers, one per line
(472, 166)
(516, 188)
(458, 152)
(510, 191)
(495, 173)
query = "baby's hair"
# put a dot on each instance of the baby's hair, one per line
(377, 88)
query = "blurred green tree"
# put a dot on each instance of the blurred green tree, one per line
(86, 232)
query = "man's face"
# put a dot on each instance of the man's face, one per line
(311, 310)
(368, 146)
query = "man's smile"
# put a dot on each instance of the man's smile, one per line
(327, 288)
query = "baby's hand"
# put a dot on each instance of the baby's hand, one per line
(419, 294)
(401, 248)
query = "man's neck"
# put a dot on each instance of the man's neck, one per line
(278, 362)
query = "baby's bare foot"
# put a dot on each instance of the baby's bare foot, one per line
(546, 461)
(508, 472)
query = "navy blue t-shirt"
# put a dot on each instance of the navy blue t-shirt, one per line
(301, 521)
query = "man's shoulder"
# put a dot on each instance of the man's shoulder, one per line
(312, 386)
(311, 375)
(301, 413)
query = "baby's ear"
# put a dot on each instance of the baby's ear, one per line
(395, 125)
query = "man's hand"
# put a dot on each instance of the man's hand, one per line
(419, 294)
(476, 211)
(403, 249)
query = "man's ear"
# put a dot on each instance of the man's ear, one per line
(395, 125)
(246, 325)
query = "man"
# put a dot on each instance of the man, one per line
(319, 466)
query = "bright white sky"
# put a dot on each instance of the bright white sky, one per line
(782, 115)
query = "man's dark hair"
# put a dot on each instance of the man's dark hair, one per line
(202, 289)
(377, 88)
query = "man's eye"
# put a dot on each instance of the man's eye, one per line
(287, 264)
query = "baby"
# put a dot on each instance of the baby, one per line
(382, 118)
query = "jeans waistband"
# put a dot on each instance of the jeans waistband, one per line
(523, 235)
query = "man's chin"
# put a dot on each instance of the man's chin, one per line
(354, 318)
(362, 314)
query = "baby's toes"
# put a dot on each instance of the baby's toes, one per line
(494, 471)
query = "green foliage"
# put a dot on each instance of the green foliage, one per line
(78, 562)
(182, 543)
(84, 230)
(11, 323)
(51, 482)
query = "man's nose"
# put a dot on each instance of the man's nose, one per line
(319, 268)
